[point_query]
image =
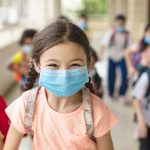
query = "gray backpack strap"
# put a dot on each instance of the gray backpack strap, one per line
(87, 106)
(29, 110)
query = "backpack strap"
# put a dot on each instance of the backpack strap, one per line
(126, 38)
(87, 106)
(112, 37)
(29, 111)
(126, 33)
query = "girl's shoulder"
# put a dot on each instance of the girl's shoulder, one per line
(99, 107)
(103, 117)
(97, 103)
(38, 92)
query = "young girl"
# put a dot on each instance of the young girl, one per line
(141, 94)
(61, 56)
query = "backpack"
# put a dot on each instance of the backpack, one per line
(142, 70)
(30, 107)
(113, 37)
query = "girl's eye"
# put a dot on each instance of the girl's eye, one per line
(53, 66)
(75, 65)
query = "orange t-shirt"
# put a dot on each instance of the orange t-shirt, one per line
(58, 131)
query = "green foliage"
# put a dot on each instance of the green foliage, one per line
(91, 7)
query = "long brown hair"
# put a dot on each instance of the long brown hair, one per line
(55, 33)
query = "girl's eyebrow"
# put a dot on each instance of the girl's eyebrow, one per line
(52, 60)
(77, 59)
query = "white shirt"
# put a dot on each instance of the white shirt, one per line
(139, 92)
(116, 51)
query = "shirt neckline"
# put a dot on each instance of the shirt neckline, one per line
(75, 112)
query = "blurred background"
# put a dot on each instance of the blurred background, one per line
(18, 15)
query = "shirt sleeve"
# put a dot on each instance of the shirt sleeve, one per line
(16, 112)
(106, 121)
(141, 86)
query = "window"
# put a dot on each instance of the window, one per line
(10, 12)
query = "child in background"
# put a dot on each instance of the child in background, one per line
(141, 95)
(116, 41)
(83, 22)
(20, 61)
(4, 122)
(96, 80)
(132, 54)
(64, 104)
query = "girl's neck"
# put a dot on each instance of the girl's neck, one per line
(64, 104)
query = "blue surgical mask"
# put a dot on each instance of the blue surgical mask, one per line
(27, 48)
(63, 82)
(83, 25)
(147, 40)
(120, 29)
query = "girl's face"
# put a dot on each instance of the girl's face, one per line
(63, 56)
(27, 41)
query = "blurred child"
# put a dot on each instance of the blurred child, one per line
(141, 95)
(116, 41)
(83, 22)
(132, 54)
(96, 80)
(4, 122)
(65, 106)
(20, 61)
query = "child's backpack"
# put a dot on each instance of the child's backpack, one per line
(126, 33)
(142, 70)
(30, 107)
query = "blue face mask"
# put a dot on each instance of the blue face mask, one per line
(83, 25)
(27, 48)
(120, 29)
(147, 40)
(64, 82)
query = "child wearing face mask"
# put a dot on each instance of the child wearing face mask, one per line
(115, 41)
(63, 112)
(141, 97)
(133, 53)
(20, 61)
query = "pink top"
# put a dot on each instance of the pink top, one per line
(4, 120)
(58, 131)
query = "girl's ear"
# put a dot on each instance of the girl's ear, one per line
(37, 67)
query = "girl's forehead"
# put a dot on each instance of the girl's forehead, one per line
(66, 51)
